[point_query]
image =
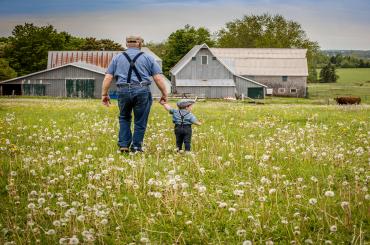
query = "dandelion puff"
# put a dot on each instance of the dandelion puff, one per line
(308, 241)
(41, 201)
(312, 201)
(333, 228)
(31, 206)
(104, 221)
(63, 240)
(74, 240)
(222, 205)
(344, 204)
(145, 240)
(81, 218)
(329, 193)
(50, 232)
(241, 232)
(56, 223)
(247, 242)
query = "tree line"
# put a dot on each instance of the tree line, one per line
(25, 51)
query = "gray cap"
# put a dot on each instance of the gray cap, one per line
(134, 39)
(185, 103)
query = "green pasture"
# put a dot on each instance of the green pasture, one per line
(258, 174)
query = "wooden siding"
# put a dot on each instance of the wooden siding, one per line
(276, 82)
(55, 80)
(195, 70)
(242, 85)
(208, 92)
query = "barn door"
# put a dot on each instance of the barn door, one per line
(82, 88)
(255, 93)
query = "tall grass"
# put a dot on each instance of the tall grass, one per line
(257, 174)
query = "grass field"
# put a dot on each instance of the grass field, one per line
(261, 174)
(353, 82)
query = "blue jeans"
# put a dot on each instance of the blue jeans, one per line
(139, 100)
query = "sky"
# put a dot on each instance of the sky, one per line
(334, 24)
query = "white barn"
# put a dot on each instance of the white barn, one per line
(225, 72)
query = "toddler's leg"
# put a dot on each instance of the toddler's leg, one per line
(187, 138)
(179, 138)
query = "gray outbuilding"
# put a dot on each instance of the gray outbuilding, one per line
(230, 72)
(70, 74)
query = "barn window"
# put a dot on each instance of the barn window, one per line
(285, 78)
(194, 58)
(214, 58)
(204, 59)
(281, 90)
(293, 90)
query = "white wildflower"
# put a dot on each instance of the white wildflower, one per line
(312, 201)
(329, 193)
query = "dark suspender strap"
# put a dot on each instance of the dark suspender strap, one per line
(132, 67)
(182, 117)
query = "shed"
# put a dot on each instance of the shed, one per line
(252, 70)
(70, 74)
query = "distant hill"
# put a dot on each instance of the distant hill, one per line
(361, 54)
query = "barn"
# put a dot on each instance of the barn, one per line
(230, 72)
(70, 74)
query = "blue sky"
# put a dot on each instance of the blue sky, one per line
(335, 24)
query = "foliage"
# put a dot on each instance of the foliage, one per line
(26, 50)
(349, 62)
(158, 48)
(6, 72)
(328, 74)
(92, 43)
(29, 46)
(286, 174)
(181, 42)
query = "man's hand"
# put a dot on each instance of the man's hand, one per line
(105, 100)
(163, 99)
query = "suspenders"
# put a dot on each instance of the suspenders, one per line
(182, 117)
(132, 67)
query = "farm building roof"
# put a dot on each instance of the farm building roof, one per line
(98, 58)
(82, 65)
(254, 61)
(205, 83)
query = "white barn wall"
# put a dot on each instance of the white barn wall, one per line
(195, 70)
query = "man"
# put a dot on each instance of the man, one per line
(132, 70)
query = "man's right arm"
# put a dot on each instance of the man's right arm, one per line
(105, 87)
(158, 79)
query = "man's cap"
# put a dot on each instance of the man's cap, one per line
(185, 103)
(134, 39)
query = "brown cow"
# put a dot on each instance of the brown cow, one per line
(348, 100)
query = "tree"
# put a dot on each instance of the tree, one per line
(6, 72)
(157, 48)
(181, 41)
(266, 31)
(29, 47)
(328, 74)
(92, 43)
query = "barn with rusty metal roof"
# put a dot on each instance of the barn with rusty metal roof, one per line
(70, 74)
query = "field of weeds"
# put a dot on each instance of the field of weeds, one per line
(258, 174)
